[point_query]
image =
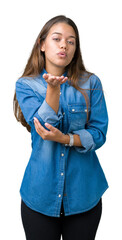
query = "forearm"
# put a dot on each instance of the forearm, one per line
(52, 97)
(77, 142)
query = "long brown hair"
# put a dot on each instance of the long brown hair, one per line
(36, 63)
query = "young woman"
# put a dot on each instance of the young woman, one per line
(63, 106)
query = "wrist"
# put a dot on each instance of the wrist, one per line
(71, 142)
(65, 139)
(52, 87)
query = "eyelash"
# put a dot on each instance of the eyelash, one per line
(58, 39)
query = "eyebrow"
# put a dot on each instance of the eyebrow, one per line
(61, 34)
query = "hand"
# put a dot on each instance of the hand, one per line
(54, 134)
(54, 81)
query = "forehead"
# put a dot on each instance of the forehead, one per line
(62, 28)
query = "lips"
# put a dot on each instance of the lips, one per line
(62, 54)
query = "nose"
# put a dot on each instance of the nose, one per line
(63, 44)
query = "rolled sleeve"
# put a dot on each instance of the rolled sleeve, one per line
(93, 136)
(48, 115)
(86, 141)
(33, 105)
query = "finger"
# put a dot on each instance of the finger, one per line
(37, 128)
(49, 126)
(36, 120)
(38, 125)
(48, 76)
(64, 80)
(60, 78)
(51, 77)
(45, 76)
(39, 132)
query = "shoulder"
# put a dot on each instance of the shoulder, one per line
(95, 81)
(35, 84)
(89, 81)
(24, 83)
(32, 82)
(27, 80)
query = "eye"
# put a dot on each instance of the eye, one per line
(56, 39)
(70, 42)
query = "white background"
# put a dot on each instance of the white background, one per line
(99, 24)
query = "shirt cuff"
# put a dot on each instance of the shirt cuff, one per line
(86, 141)
(48, 115)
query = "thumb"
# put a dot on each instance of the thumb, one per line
(45, 76)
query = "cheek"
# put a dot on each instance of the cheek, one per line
(71, 55)
(74, 51)
(50, 50)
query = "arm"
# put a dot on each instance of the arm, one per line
(53, 90)
(77, 141)
(33, 104)
(52, 97)
(54, 134)
(93, 136)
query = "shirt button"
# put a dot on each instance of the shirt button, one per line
(73, 110)
(62, 174)
(85, 110)
(59, 195)
(60, 93)
(63, 113)
(62, 154)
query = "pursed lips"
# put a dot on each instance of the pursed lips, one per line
(63, 54)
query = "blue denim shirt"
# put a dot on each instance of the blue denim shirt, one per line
(56, 172)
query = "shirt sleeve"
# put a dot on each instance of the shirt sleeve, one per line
(33, 105)
(93, 136)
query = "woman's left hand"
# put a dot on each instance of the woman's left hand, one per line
(54, 134)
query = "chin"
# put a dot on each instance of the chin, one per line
(62, 65)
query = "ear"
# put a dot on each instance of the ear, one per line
(43, 46)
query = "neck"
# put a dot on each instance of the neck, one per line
(55, 70)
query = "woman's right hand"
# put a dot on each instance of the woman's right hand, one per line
(54, 81)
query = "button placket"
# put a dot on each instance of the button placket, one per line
(61, 178)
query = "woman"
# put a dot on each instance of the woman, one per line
(63, 106)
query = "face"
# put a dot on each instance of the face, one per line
(59, 47)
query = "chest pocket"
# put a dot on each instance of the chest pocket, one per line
(77, 114)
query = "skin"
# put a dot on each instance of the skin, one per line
(61, 38)
(54, 134)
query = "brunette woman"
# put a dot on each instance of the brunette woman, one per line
(63, 106)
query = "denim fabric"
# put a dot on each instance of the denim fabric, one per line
(56, 172)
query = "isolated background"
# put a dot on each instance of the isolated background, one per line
(99, 24)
